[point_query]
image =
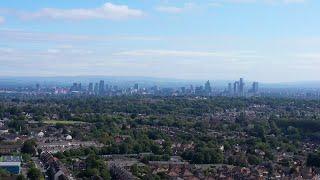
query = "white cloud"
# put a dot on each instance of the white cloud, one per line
(214, 4)
(169, 9)
(294, 1)
(187, 54)
(240, 1)
(258, 1)
(6, 50)
(29, 37)
(53, 51)
(2, 20)
(174, 9)
(218, 3)
(314, 56)
(69, 50)
(108, 11)
(172, 53)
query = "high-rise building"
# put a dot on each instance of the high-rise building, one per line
(235, 87)
(241, 87)
(207, 88)
(76, 87)
(255, 87)
(38, 87)
(101, 87)
(90, 88)
(155, 89)
(79, 88)
(96, 88)
(136, 86)
(199, 90)
(229, 88)
(183, 90)
(191, 89)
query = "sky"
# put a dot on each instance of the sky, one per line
(259, 40)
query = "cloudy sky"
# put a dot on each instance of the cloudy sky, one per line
(264, 40)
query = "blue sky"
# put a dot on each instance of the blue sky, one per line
(264, 40)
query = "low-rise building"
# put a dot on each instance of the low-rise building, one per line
(11, 164)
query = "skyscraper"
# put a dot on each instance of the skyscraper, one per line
(38, 87)
(136, 86)
(229, 88)
(255, 87)
(183, 90)
(74, 87)
(101, 87)
(79, 87)
(207, 88)
(90, 88)
(96, 88)
(235, 87)
(191, 89)
(241, 87)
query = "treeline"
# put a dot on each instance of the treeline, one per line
(300, 128)
(64, 107)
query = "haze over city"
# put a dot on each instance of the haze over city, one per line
(159, 89)
(262, 40)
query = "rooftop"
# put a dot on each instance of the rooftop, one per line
(10, 159)
(10, 164)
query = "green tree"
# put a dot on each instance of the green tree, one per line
(4, 173)
(29, 147)
(34, 174)
(313, 159)
(21, 177)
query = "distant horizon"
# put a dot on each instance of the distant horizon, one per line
(150, 78)
(100, 81)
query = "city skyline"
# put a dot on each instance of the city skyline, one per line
(271, 41)
(207, 89)
(159, 89)
(124, 81)
(102, 88)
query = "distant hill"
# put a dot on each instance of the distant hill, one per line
(305, 84)
(125, 81)
(114, 80)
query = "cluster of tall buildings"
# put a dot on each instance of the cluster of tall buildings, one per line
(233, 89)
(238, 88)
(76, 87)
(205, 90)
(100, 88)
(97, 88)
